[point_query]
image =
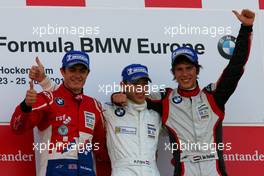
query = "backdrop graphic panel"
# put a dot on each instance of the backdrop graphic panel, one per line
(113, 41)
(56, 2)
(173, 3)
(246, 150)
(16, 155)
(261, 4)
(230, 4)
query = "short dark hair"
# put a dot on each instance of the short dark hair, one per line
(183, 59)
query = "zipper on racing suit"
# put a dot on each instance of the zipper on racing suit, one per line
(194, 131)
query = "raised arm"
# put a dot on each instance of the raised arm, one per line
(231, 75)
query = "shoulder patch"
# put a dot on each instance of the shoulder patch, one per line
(165, 92)
(211, 87)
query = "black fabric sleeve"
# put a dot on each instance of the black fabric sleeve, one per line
(24, 107)
(155, 105)
(228, 81)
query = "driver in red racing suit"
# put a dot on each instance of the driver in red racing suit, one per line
(70, 124)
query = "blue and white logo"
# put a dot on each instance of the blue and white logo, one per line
(177, 99)
(226, 46)
(151, 131)
(59, 101)
(120, 112)
(125, 130)
(63, 130)
(89, 118)
(131, 71)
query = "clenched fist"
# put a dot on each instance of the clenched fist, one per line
(119, 99)
(31, 95)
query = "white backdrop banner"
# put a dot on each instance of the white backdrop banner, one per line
(114, 38)
(205, 4)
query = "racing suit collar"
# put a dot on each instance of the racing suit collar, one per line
(133, 107)
(70, 94)
(189, 93)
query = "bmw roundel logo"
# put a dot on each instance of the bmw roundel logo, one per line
(59, 101)
(226, 46)
(177, 99)
(120, 112)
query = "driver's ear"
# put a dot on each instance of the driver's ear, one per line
(62, 70)
(197, 70)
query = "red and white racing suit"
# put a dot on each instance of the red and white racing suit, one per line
(195, 117)
(70, 126)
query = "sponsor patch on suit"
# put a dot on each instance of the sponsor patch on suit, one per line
(203, 112)
(125, 130)
(151, 131)
(89, 119)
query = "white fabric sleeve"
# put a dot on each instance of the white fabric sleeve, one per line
(48, 85)
(107, 110)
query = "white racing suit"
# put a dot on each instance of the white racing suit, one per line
(132, 138)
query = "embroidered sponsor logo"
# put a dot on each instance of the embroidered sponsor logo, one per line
(131, 71)
(120, 112)
(211, 87)
(125, 130)
(89, 119)
(86, 168)
(63, 130)
(59, 166)
(142, 162)
(203, 112)
(151, 131)
(59, 101)
(205, 157)
(64, 118)
(72, 166)
(177, 99)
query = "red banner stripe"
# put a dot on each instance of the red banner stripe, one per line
(247, 150)
(261, 4)
(17, 157)
(174, 3)
(79, 3)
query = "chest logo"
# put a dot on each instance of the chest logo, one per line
(151, 131)
(177, 99)
(64, 118)
(63, 130)
(125, 130)
(203, 112)
(59, 101)
(89, 119)
(120, 112)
